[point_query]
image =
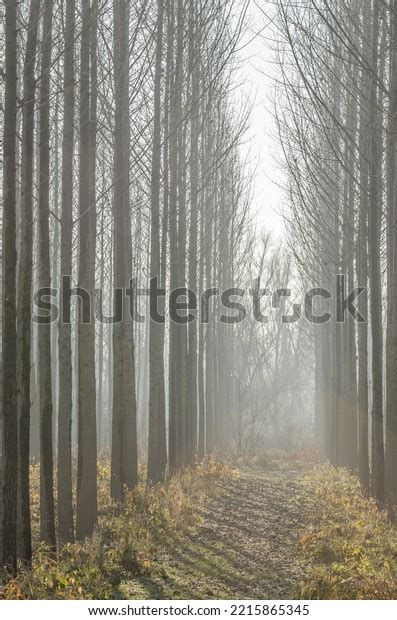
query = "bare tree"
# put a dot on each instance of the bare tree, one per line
(47, 522)
(124, 440)
(375, 209)
(25, 283)
(86, 513)
(157, 455)
(65, 507)
(391, 360)
(9, 376)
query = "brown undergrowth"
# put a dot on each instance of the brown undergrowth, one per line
(126, 540)
(275, 527)
(351, 545)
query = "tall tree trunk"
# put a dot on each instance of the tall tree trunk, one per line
(65, 508)
(222, 281)
(362, 265)
(162, 429)
(200, 378)
(130, 447)
(348, 436)
(180, 177)
(47, 524)
(391, 360)
(378, 466)
(9, 378)
(209, 283)
(156, 445)
(25, 285)
(100, 408)
(54, 258)
(192, 404)
(93, 157)
(86, 511)
(173, 355)
(124, 464)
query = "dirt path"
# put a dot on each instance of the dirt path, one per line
(247, 546)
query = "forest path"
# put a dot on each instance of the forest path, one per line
(246, 548)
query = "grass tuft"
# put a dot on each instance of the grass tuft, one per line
(351, 546)
(126, 541)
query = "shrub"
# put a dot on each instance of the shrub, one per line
(352, 547)
(126, 540)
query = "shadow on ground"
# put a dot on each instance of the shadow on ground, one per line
(246, 548)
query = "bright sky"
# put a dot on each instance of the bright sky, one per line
(256, 85)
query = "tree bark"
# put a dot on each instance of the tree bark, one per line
(65, 507)
(378, 465)
(362, 268)
(391, 360)
(124, 463)
(47, 523)
(192, 399)
(156, 445)
(86, 511)
(9, 377)
(25, 285)
(173, 354)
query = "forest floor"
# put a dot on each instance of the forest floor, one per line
(277, 528)
(246, 546)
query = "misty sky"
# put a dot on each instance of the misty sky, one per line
(255, 84)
